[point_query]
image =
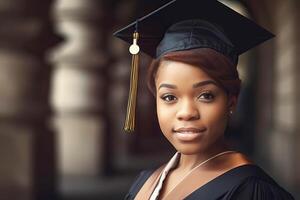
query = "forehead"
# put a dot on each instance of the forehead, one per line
(174, 70)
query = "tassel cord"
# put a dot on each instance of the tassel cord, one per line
(132, 101)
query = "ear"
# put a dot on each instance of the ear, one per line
(232, 102)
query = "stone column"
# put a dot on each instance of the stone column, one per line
(79, 83)
(278, 121)
(284, 153)
(27, 168)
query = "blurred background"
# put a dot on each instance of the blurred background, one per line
(63, 94)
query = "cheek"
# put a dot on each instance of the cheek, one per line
(215, 116)
(164, 116)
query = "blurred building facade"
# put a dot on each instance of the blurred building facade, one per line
(63, 95)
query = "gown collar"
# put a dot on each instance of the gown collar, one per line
(190, 184)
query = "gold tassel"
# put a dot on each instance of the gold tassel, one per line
(131, 106)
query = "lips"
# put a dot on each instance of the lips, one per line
(188, 134)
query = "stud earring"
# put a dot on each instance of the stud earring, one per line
(231, 112)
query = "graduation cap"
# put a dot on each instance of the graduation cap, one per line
(188, 24)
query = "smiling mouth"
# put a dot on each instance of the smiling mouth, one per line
(188, 134)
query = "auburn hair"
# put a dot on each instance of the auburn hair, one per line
(215, 64)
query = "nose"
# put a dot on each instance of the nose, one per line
(188, 111)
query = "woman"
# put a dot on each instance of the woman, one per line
(196, 85)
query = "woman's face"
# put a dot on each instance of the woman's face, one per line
(192, 110)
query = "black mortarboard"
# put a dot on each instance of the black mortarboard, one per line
(189, 24)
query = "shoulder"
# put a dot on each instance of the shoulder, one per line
(258, 185)
(141, 179)
(138, 183)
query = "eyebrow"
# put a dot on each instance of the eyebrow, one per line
(170, 86)
(203, 83)
(196, 85)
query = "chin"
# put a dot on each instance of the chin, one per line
(188, 149)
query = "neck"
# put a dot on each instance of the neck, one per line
(189, 161)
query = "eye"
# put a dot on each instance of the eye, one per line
(206, 96)
(168, 98)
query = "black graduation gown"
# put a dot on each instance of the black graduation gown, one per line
(247, 182)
